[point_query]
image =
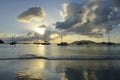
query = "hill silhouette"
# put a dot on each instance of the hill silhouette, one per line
(83, 42)
(1, 42)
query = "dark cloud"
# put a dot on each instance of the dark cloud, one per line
(33, 13)
(95, 17)
(42, 26)
(116, 3)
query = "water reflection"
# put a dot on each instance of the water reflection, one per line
(102, 74)
(65, 70)
(42, 50)
(60, 69)
(92, 70)
(34, 71)
(26, 76)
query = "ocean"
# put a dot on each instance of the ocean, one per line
(42, 69)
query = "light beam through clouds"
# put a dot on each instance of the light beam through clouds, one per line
(41, 29)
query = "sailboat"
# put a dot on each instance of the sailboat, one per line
(109, 42)
(46, 42)
(13, 42)
(62, 43)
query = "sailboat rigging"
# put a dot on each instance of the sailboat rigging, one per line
(13, 42)
(62, 43)
(46, 41)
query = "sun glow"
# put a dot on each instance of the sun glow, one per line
(40, 30)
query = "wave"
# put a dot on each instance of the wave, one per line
(63, 58)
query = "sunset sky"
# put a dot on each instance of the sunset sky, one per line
(75, 19)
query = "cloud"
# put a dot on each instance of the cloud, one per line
(33, 13)
(32, 36)
(93, 18)
(116, 3)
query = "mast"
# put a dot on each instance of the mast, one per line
(12, 39)
(61, 38)
(45, 39)
(108, 38)
(13, 42)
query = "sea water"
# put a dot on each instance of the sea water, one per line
(40, 69)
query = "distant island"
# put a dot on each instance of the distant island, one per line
(1, 42)
(83, 42)
(91, 42)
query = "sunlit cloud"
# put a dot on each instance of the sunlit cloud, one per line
(33, 13)
(55, 35)
(93, 18)
(41, 29)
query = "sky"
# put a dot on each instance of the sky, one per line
(29, 20)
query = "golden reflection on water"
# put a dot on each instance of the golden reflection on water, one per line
(34, 71)
(41, 50)
(40, 64)
(35, 68)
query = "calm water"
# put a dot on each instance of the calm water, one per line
(59, 69)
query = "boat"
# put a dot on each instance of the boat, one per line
(46, 41)
(62, 43)
(109, 41)
(13, 42)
